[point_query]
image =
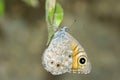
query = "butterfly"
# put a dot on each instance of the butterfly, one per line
(65, 54)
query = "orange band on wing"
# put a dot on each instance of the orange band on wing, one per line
(74, 56)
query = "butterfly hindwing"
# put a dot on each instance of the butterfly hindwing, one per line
(65, 54)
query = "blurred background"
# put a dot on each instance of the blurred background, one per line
(23, 37)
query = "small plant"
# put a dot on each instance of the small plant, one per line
(54, 16)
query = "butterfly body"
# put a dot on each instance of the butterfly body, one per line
(65, 54)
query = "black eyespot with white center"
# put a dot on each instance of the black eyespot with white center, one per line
(82, 60)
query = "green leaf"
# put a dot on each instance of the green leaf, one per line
(1, 7)
(58, 16)
(50, 8)
(54, 16)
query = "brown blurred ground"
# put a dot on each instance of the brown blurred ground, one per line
(23, 35)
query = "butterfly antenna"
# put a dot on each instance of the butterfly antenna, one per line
(74, 21)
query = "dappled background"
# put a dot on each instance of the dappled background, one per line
(23, 36)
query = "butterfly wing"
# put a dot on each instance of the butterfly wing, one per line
(57, 57)
(80, 61)
(64, 54)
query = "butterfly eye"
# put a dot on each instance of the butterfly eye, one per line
(82, 60)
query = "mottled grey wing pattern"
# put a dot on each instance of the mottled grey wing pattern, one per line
(57, 58)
